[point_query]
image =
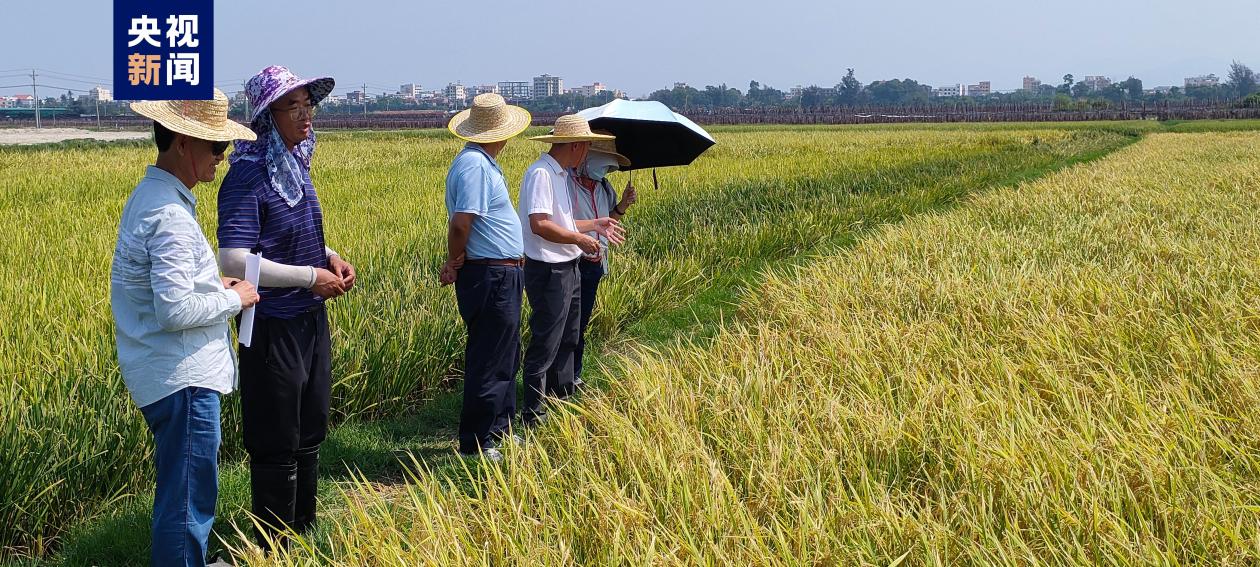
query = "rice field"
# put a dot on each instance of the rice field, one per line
(828, 346)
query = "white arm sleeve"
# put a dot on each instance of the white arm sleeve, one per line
(329, 252)
(270, 274)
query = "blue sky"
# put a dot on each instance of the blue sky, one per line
(648, 44)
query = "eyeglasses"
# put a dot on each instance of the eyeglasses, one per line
(219, 147)
(300, 111)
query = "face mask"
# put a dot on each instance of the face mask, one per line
(600, 165)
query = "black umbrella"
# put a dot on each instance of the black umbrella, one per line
(649, 133)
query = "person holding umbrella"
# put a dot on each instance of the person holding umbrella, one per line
(268, 206)
(171, 311)
(554, 243)
(596, 198)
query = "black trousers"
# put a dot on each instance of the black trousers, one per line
(592, 273)
(489, 300)
(555, 296)
(286, 377)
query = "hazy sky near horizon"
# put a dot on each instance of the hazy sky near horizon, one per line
(650, 44)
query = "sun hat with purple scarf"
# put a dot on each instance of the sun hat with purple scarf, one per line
(275, 81)
(286, 168)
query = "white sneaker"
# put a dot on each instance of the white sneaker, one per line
(489, 454)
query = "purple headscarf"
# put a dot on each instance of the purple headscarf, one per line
(286, 169)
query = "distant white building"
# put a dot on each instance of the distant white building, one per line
(100, 94)
(547, 85)
(983, 88)
(1097, 82)
(486, 89)
(590, 90)
(455, 93)
(1203, 81)
(409, 90)
(948, 90)
(1031, 84)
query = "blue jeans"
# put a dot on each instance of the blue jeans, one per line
(185, 428)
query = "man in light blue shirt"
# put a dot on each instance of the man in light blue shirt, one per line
(484, 257)
(171, 312)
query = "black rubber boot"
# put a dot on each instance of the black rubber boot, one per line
(307, 489)
(273, 488)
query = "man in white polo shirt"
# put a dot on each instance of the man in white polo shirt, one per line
(554, 243)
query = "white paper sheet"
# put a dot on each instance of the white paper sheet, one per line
(245, 334)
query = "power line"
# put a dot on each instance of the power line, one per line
(72, 75)
(82, 81)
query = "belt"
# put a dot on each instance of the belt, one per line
(518, 262)
(572, 262)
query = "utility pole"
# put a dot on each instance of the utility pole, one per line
(245, 87)
(98, 107)
(365, 100)
(35, 95)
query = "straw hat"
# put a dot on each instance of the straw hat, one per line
(572, 128)
(609, 147)
(201, 119)
(490, 119)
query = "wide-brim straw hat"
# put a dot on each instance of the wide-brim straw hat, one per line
(490, 119)
(572, 128)
(609, 147)
(201, 119)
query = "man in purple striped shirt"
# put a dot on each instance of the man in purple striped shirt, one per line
(267, 205)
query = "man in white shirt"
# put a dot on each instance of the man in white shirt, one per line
(554, 244)
(171, 311)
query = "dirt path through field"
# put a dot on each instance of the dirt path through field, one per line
(29, 136)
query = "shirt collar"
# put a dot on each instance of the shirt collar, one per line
(162, 176)
(552, 164)
(477, 148)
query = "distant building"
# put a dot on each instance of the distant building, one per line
(455, 93)
(680, 85)
(590, 90)
(948, 90)
(356, 97)
(516, 91)
(100, 94)
(983, 88)
(23, 101)
(796, 92)
(486, 89)
(333, 100)
(1097, 82)
(409, 90)
(1031, 84)
(1159, 90)
(1203, 81)
(547, 86)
